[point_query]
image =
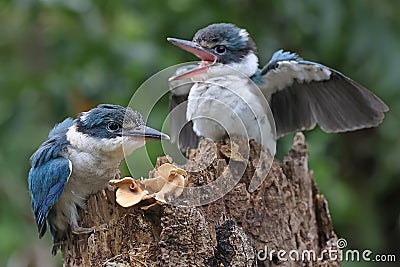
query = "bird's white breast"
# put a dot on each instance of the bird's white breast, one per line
(94, 161)
(229, 104)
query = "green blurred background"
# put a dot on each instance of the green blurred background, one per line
(60, 57)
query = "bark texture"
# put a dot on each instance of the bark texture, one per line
(285, 213)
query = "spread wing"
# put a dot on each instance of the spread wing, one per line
(304, 93)
(181, 129)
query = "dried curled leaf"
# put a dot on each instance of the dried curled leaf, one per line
(170, 181)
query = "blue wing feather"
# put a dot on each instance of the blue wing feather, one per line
(52, 147)
(49, 173)
(46, 184)
(61, 128)
(280, 56)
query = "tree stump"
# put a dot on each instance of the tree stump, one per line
(240, 229)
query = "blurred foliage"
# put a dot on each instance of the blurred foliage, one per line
(61, 57)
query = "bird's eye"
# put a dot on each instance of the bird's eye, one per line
(220, 49)
(113, 127)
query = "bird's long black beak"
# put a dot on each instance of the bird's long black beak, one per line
(145, 132)
(207, 58)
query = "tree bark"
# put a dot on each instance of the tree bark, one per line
(240, 229)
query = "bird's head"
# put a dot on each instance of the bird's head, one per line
(108, 128)
(219, 45)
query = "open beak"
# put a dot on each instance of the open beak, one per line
(144, 132)
(207, 58)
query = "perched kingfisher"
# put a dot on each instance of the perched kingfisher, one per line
(78, 159)
(300, 93)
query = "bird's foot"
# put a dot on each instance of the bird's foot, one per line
(76, 229)
(82, 230)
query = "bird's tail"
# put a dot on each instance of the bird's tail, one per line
(58, 238)
(57, 235)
